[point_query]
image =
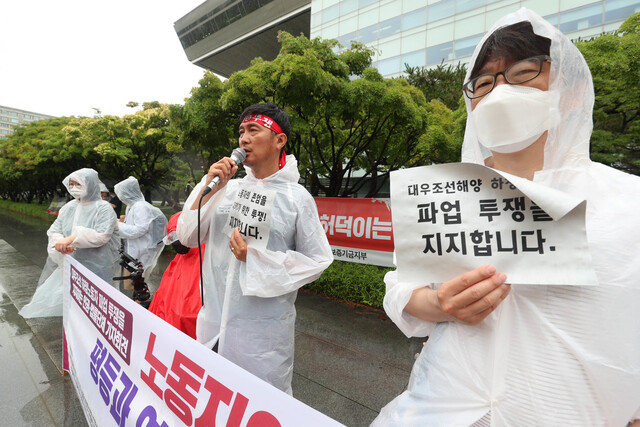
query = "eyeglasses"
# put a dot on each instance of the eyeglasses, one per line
(515, 74)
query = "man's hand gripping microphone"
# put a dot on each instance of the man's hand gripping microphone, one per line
(238, 155)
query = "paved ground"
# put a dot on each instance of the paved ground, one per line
(349, 361)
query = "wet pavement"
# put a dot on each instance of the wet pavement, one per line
(349, 361)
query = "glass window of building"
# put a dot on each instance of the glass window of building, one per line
(437, 54)
(581, 18)
(330, 31)
(349, 25)
(414, 41)
(365, 3)
(345, 39)
(14, 120)
(316, 19)
(368, 34)
(393, 8)
(330, 13)
(13, 113)
(552, 19)
(469, 26)
(414, 19)
(542, 7)
(464, 5)
(440, 10)
(389, 27)
(389, 66)
(368, 18)
(439, 34)
(348, 6)
(409, 5)
(465, 47)
(414, 59)
(389, 49)
(619, 10)
(493, 16)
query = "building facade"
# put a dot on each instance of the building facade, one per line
(11, 117)
(429, 32)
(224, 36)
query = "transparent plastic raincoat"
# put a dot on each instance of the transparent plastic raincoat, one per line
(144, 225)
(548, 355)
(93, 222)
(249, 305)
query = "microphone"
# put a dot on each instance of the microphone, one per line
(238, 155)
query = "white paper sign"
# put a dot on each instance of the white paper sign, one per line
(450, 219)
(130, 368)
(251, 213)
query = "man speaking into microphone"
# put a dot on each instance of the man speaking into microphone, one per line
(264, 241)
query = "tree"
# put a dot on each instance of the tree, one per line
(207, 131)
(442, 82)
(345, 116)
(40, 154)
(614, 60)
(143, 145)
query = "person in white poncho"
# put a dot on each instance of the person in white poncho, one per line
(144, 225)
(249, 293)
(85, 229)
(530, 355)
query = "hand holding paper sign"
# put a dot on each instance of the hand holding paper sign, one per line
(238, 246)
(467, 298)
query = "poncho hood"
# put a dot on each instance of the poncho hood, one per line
(567, 144)
(128, 191)
(88, 178)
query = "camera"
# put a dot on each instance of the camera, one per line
(135, 268)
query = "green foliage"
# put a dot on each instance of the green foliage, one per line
(352, 282)
(207, 131)
(36, 158)
(443, 82)
(345, 116)
(614, 60)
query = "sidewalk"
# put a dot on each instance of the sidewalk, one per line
(349, 361)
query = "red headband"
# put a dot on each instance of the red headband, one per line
(263, 120)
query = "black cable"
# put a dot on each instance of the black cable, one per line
(200, 252)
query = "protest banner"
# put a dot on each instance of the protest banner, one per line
(450, 219)
(359, 230)
(131, 368)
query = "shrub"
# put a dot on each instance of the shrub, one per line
(352, 282)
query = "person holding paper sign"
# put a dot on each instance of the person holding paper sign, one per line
(501, 355)
(264, 241)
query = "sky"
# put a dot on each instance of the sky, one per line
(66, 57)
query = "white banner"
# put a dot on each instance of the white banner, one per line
(450, 219)
(131, 368)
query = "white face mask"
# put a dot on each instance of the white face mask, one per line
(76, 191)
(512, 117)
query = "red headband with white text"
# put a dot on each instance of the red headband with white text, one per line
(270, 124)
(263, 120)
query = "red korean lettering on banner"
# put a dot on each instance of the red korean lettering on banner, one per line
(184, 383)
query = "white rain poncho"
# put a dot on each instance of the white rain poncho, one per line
(548, 355)
(257, 296)
(93, 222)
(144, 225)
